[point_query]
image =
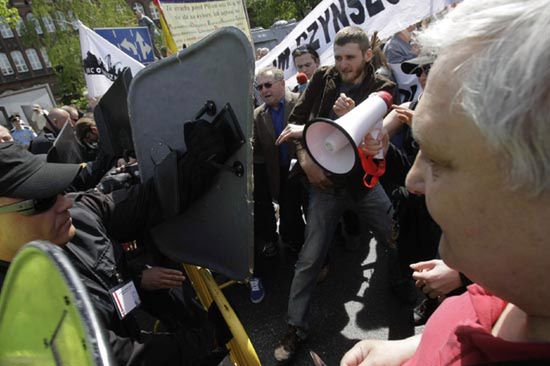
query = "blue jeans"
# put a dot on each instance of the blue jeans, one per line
(325, 210)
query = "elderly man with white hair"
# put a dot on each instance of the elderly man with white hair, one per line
(483, 128)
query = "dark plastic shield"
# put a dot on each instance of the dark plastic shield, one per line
(112, 120)
(65, 148)
(216, 231)
(46, 317)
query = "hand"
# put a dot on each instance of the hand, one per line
(377, 352)
(403, 114)
(156, 278)
(435, 278)
(121, 163)
(290, 132)
(314, 172)
(372, 146)
(112, 182)
(343, 105)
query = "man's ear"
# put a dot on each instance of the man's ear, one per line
(368, 55)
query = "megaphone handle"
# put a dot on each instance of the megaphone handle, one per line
(373, 169)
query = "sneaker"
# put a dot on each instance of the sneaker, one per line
(423, 311)
(257, 292)
(270, 249)
(286, 348)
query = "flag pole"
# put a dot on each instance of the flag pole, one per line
(170, 43)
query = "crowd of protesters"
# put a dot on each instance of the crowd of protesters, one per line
(461, 212)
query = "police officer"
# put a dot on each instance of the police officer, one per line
(90, 225)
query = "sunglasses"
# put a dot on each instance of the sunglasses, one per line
(259, 87)
(30, 207)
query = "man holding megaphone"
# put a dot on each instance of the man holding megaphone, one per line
(327, 151)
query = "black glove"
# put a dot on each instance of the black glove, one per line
(204, 141)
(113, 182)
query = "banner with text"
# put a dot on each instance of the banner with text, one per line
(191, 20)
(322, 23)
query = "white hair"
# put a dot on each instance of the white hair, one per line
(506, 79)
(277, 73)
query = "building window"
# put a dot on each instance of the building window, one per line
(20, 27)
(19, 61)
(154, 11)
(5, 29)
(72, 19)
(5, 65)
(33, 59)
(45, 57)
(33, 20)
(48, 23)
(138, 6)
(61, 20)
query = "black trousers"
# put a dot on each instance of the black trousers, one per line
(291, 222)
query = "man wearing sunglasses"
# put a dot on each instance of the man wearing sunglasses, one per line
(90, 225)
(271, 168)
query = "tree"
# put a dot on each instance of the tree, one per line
(8, 14)
(63, 44)
(263, 13)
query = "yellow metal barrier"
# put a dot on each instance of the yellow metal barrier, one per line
(240, 347)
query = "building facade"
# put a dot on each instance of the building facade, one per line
(22, 67)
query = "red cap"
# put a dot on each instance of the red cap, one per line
(387, 97)
(301, 78)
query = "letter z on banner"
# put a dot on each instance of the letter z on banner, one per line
(320, 26)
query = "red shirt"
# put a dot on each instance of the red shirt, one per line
(459, 333)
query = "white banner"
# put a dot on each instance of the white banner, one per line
(103, 61)
(320, 26)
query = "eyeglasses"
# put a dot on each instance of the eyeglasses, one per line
(30, 207)
(268, 85)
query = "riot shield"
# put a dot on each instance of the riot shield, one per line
(112, 120)
(46, 317)
(213, 78)
(65, 148)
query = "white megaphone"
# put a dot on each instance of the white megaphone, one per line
(333, 144)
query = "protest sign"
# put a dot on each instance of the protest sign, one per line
(190, 20)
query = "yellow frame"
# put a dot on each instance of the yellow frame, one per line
(240, 347)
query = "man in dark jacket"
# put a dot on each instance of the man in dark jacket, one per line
(55, 121)
(332, 92)
(90, 226)
(272, 163)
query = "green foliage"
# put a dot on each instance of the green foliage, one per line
(63, 45)
(263, 13)
(10, 15)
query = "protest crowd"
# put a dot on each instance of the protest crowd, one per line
(458, 201)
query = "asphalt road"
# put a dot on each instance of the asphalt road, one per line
(353, 303)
